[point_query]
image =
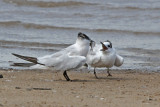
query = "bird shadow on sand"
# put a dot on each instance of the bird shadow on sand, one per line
(110, 78)
(74, 80)
(93, 79)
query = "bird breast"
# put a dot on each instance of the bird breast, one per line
(106, 60)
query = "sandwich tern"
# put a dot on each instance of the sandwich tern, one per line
(104, 55)
(70, 58)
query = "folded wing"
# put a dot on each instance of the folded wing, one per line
(61, 61)
(119, 60)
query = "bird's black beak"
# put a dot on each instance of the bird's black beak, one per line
(92, 44)
(103, 47)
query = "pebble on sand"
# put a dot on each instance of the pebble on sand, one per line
(1, 76)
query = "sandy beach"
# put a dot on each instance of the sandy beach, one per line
(38, 28)
(28, 88)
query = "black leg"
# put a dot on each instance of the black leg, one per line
(95, 73)
(108, 72)
(66, 76)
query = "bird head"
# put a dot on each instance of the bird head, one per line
(84, 39)
(106, 45)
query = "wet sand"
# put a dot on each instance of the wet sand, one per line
(128, 88)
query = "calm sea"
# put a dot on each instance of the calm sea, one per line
(40, 27)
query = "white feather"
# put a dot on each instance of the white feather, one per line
(108, 58)
(69, 58)
(119, 60)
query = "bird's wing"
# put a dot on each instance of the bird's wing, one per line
(93, 59)
(119, 60)
(23, 64)
(53, 59)
(72, 62)
(63, 61)
(93, 56)
(28, 58)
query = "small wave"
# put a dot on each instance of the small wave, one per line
(46, 4)
(143, 51)
(10, 23)
(128, 32)
(39, 26)
(31, 25)
(130, 7)
(83, 15)
(141, 8)
(30, 48)
(31, 44)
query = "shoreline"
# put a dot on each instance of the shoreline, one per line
(45, 88)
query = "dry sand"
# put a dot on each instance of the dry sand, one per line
(47, 89)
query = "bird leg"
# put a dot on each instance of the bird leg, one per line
(95, 73)
(66, 76)
(108, 72)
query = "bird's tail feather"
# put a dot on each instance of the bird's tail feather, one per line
(27, 58)
(23, 64)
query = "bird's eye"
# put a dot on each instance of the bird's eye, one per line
(109, 46)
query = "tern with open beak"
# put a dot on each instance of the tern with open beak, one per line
(104, 55)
